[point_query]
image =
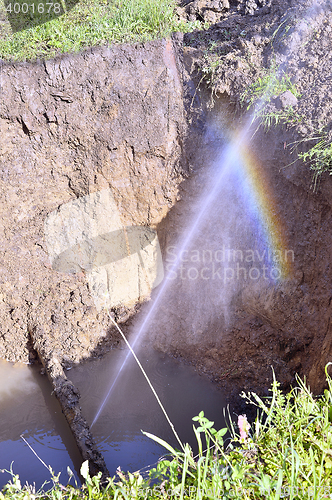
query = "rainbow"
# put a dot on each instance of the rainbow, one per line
(262, 195)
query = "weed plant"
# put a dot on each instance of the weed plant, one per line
(91, 23)
(287, 453)
(319, 156)
(260, 96)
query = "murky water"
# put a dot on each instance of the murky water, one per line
(28, 408)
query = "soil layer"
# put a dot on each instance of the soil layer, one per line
(109, 118)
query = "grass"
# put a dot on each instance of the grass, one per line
(90, 23)
(287, 453)
(260, 95)
(319, 155)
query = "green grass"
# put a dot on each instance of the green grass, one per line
(91, 23)
(287, 453)
(319, 156)
(262, 91)
(258, 97)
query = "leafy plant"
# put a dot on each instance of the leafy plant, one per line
(319, 156)
(285, 453)
(274, 118)
(260, 94)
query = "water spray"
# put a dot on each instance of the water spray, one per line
(148, 381)
(210, 198)
(231, 157)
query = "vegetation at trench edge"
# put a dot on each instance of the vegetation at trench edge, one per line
(90, 23)
(286, 453)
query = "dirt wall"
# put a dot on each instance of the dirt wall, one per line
(109, 118)
(285, 325)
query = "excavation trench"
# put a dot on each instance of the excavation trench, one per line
(114, 180)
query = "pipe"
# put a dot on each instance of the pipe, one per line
(68, 396)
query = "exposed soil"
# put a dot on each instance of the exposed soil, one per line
(293, 35)
(121, 118)
(286, 326)
(70, 127)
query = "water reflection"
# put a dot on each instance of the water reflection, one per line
(27, 407)
(132, 406)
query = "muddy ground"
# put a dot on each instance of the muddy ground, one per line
(126, 118)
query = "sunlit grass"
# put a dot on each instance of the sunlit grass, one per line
(258, 96)
(319, 154)
(91, 23)
(287, 453)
